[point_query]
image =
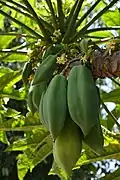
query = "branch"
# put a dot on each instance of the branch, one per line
(49, 3)
(21, 24)
(24, 128)
(13, 51)
(17, 4)
(60, 16)
(17, 9)
(86, 14)
(73, 19)
(41, 26)
(16, 34)
(114, 81)
(113, 117)
(102, 29)
(84, 29)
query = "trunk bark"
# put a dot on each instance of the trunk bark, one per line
(105, 64)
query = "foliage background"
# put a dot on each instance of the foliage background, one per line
(25, 145)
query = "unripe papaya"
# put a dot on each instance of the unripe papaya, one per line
(45, 70)
(67, 147)
(37, 92)
(41, 113)
(55, 104)
(52, 50)
(83, 98)
(95, 139)
(30, 100)
(27, 70)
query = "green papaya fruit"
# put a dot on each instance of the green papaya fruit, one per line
(30, 100)
(67, 147)
(45, 70)
(83, 98)
(55, 104)
(41, 114)
(37, 92)
(52, 50)
(95, 139)
(27, 70)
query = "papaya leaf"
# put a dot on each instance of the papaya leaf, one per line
(4, 70)
(114, 176)
(86, 14)
(10, 112)
(6, 40)
(18, 4)
(20, 145)
(38, 21)
(33, 156)
(103, 29)
(16, 9)
(100, 13)
(23, 165)
(21, 123)
(33, 138)
(101, 34)
(114, 21)
(13, 94)
(16, 57)
(3, 137)
(111, 151)
(8, 77)
(112, 96)
(42, 151)
(55, 170)
(21, 24)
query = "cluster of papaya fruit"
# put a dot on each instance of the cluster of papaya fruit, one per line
(68, 108)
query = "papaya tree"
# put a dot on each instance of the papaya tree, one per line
(63, 53)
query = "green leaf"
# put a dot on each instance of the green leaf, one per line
(32, 157)
(112, 96)
(58, 171)
(15, 57)
(3, 137)
(23, 165)
(103, 29)
(10, 112)
(4, 70)
(21, 24)
(112, 151)
(43, 150)
(98, 15)
(101, 34)
(114, 176)
(20, 145)
(5, 40)
(38, 21)
(86, 14)
(13, 94)
(8, 77)
(33, 138)
(111, 18)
